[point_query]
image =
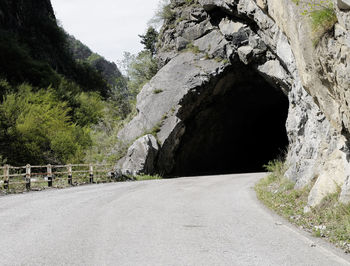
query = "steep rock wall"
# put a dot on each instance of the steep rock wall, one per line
(272, 40)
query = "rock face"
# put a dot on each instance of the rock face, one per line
(140, 157)
(232, 71)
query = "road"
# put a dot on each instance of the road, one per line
(213, 220)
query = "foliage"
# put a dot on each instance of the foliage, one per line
(106, 145)
(89, 110)
(37, 52)
(277, 168)
(164, 12)
(36, 128)
(58, 100)
(139, 70)
(191, 47)
(321, 12)
(330, 219)
(17, 65)
(323, 19)
(149, 40)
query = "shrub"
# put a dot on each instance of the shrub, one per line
(149, 40)
(323, 19)
(89, 110)
(321, 12)
(36, 128)
(277, 168)
(139, 70)
(191, 47)
(163, 13)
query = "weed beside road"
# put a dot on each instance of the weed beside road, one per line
(329, 220)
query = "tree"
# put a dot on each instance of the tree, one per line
(36, 128)
(149, 40)
(140, 69)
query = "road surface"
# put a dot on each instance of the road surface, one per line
(213, 220)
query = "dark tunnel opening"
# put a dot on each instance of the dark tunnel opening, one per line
(238, 130)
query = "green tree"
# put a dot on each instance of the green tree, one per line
(89, 110)
(140, 69)
(36, 128)
(149, 40)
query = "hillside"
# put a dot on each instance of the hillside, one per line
(50, 98)
(82, 53)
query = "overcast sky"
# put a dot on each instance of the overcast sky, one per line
(108, 27)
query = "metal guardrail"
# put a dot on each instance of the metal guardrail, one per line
(31, 174)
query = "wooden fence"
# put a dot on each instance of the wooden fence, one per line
(69, 175)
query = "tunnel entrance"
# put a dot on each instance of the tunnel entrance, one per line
(237, 130)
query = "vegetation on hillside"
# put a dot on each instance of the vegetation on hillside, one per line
(60, 102)
(50, 101)
(330, 220)
(108, 70)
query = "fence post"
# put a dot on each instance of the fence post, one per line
(6, 176)
(91, 172)
(28, 174)
(49, 175)
(70, 175)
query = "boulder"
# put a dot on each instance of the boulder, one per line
(331, 179)
(245, 54)
(140, 158)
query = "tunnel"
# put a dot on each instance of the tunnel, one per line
(237, 129)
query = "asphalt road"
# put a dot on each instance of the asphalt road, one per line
(188, 221)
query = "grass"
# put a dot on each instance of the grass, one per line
(324, 18)
(322, 15)
(155, 129)
(62, 182)
(147, 177)
(17, 185)
(192, 48)
(322, 21)
(330, 220)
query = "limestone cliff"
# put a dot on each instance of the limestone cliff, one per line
(237, 78)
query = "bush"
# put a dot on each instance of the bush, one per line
(36, 128)
(321, 12)
(164, 12)
(139, 69)
(89, 110)
(323, 19)
(277, 168)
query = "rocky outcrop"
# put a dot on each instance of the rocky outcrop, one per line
(140, 157)
(216, 57)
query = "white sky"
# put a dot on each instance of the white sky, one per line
(108, 27)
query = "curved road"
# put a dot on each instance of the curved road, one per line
(189, 221)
